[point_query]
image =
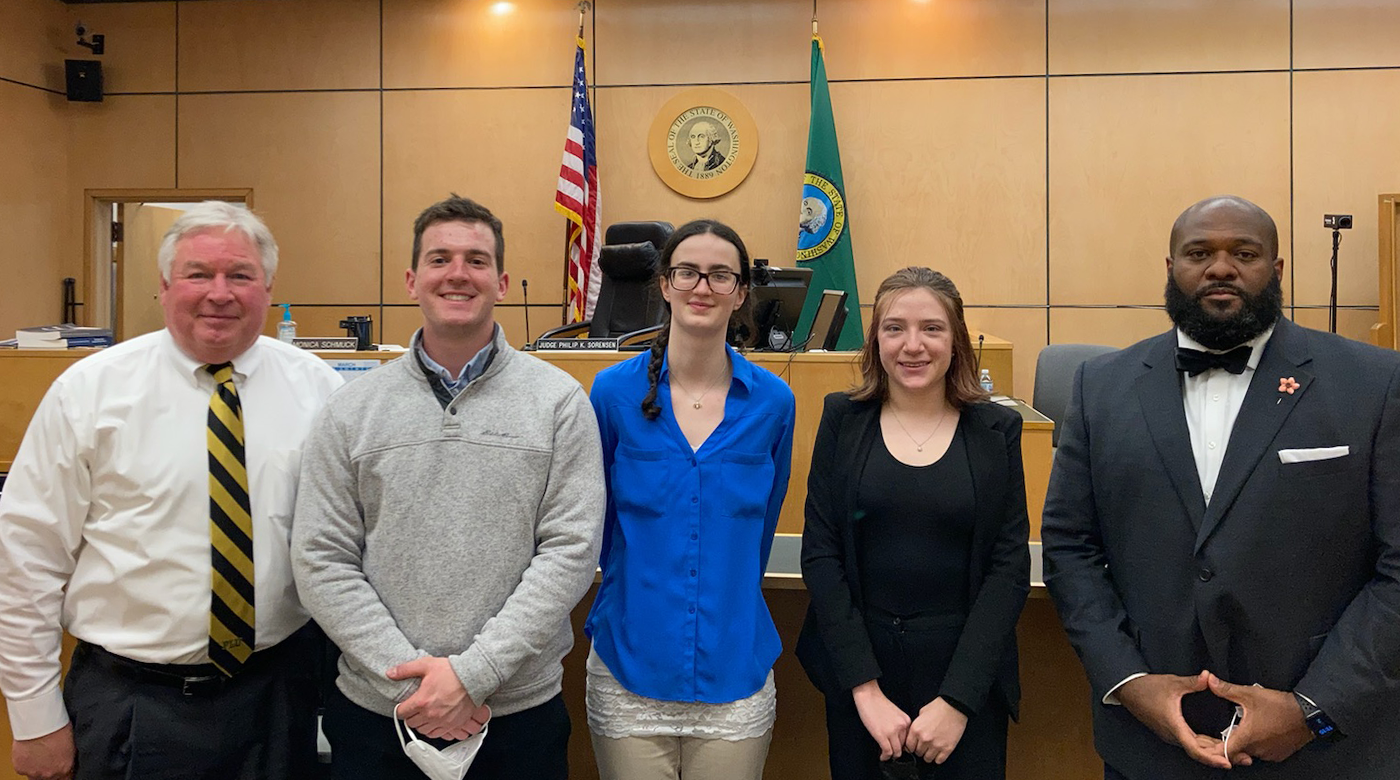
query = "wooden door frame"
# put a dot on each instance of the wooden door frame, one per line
(97, 245)
(1386, 333)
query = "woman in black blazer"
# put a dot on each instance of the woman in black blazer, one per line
(914, 550)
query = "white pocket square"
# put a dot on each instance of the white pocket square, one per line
(1313, 453)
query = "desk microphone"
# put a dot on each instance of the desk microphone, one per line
(525, 292)
(980, 338)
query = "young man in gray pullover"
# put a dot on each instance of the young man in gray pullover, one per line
(448, 519)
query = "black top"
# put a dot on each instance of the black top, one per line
(915, 535)
(834, 646)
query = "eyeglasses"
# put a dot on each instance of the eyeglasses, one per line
(686, 279)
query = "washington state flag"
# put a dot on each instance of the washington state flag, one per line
(824, 232)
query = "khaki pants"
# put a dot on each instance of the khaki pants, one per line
(680, 758)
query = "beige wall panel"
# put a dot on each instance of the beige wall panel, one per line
(1345, 33)
(1114, 327)
(279, 44)
(140, 44)
(1355, 324)
(500, 147)
(763, 209)
(122, 142)
(465, 43)
(401, 321)
(318, 320)
(1346, 133)
(35, 38)
(1128, 154)
(1093, 36)
(710, 42)
(32, 218)
(901, 39)
(949, 174)
(313, 163)
(1025, 329)
(399, 324)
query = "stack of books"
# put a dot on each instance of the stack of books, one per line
(62, 337)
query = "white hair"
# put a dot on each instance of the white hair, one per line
(215, 214)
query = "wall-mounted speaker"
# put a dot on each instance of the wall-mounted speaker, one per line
(84, 80)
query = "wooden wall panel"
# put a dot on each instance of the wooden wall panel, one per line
(1345, 33)
(1092, 36)
(306, 44)
(1128, 154)
(1024, 328)
(763, 209)
(35, 38)
(122, 142)
(499, 147)
(901, 39)
(1114, 327)
(399, 324)
(317, 320)
(1352, 323)
(32, 218)
(140, 44)
(313, 163)
(699, 42)
(1342, 165)
(465, 43)
(949, 174)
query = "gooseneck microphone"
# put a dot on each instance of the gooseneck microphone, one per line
(980, 338)
(525, 293)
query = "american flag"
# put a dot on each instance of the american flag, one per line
(577, 199)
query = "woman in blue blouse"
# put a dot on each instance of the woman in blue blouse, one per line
(696, 445)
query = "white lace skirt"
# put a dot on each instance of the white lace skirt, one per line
(614, 711)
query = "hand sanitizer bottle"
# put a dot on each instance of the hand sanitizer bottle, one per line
(986, 380)
(286, 329)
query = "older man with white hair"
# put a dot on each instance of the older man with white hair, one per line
(148, 513)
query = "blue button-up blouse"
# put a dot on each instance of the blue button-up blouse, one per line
(680, 613)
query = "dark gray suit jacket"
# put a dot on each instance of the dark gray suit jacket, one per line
(1289, 579)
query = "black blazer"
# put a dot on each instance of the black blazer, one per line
(1289, 578)
(834, 646)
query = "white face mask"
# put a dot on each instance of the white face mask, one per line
(449, 763)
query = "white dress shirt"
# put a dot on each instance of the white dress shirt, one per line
(104, 520)
(1212, 400)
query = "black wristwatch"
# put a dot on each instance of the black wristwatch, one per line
(1322, 727)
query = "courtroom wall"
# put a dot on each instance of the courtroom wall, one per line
(33, 165)
(1035, 150)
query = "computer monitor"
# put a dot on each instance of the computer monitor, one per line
(828, 321)
(777, 306)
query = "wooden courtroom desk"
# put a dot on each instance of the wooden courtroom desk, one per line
(1053, 740)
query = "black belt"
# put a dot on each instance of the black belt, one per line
(202, 680)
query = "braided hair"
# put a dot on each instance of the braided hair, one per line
(650, 408)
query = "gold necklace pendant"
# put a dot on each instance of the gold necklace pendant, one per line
(698, 404)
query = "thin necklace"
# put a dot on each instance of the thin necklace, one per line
(919, 445)
(694, 399)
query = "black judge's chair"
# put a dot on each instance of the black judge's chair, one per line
(629, 306)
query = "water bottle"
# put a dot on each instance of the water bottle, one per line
(986, 380)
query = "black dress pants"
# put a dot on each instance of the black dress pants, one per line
(134, 720)
(914, 654)
(531, 744)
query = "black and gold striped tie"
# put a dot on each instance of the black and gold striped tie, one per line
(231, 620)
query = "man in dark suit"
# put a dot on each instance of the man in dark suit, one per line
(1222, 529)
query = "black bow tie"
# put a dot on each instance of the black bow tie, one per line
(1194, 361)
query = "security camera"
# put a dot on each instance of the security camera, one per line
(1337, 221)
(98, 43)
